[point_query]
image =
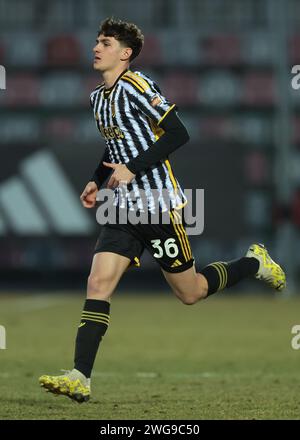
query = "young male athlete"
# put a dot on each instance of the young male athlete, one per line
(141, 129)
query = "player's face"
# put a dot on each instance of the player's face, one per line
(108, 53)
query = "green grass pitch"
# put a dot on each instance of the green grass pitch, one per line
(225, 358)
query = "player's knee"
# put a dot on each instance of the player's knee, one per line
(100, 286)
(192, 297)
(187, 298)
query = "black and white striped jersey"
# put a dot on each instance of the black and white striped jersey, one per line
(128, 117)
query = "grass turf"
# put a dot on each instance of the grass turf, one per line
(225, 358)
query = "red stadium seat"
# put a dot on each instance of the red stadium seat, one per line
(181, 88)
(63, 50)
(221, 50)
(22, 90)
(258, 89)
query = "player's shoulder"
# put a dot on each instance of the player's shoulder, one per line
(139, 81)
(153, 85)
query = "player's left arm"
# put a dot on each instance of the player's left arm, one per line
(175, 135)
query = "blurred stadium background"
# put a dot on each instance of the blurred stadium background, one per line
(227, 64)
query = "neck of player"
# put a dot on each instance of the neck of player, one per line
(111, 76)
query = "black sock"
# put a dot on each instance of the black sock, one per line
(93, 325)
(225, 274)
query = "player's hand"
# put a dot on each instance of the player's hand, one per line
(88, 197)
(121, 174)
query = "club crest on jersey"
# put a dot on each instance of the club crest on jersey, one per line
(156, 101)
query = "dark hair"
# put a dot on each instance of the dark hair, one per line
(128, 34)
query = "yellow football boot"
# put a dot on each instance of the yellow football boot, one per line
(268, 271)
(72, 384)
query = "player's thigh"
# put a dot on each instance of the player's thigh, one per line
(116, 249)
(106, 271)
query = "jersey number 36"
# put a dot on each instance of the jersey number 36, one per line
(170, 246)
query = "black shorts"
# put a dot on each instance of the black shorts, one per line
(167, 243)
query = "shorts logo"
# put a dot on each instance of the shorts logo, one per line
(176, 263)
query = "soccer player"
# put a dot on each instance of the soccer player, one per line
(141, 129)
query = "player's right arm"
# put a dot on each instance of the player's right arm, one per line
(89, 194)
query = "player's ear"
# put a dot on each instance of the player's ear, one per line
(126, 53)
